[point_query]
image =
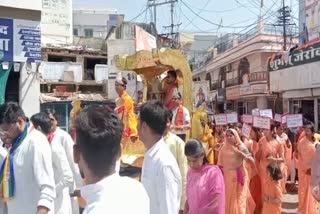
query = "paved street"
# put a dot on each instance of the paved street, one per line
(290, 204)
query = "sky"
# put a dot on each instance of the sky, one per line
(197, 15)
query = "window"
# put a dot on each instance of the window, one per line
(75, 32)
(88, 32)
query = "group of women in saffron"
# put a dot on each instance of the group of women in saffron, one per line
(241, 175)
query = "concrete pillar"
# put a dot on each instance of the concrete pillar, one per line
(262, 102)
(29, 89)
(316, 116)
(80, 59)
(285, 105)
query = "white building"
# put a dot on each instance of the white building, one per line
(295, 78)
(95, 23)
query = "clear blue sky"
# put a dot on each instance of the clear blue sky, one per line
(228, 12)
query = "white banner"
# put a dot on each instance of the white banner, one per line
(232, 118)
(278, 118)
(220, 119)
(262, 122)
(266, 113)
(246, 130)
(294, 120)
(247, 118)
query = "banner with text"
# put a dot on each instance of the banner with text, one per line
(6, 40)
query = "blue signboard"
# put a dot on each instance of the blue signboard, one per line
(27, 41)
(6, 40)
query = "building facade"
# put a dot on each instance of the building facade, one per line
(95, 23)
(238, 73)
(295, 77)
(20, 52)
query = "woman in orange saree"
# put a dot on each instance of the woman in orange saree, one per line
(231, 160)
(306, 153)
(270, 150)
(255, 183)
(287, 154)
(273, 196)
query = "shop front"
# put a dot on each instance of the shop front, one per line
(297, 80)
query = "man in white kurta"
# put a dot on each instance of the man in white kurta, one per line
(63, 138)
(62, 171)
(32, 164)
(99, 131)
(160, 172)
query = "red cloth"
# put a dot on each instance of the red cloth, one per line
(179, 116)
(50, 137)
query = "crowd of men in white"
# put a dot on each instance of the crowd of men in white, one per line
(43, 169)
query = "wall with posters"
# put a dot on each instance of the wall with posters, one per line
(56, 22)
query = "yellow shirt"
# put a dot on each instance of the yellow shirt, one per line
(176, 146)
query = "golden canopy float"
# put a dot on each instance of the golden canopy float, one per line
(151, 64)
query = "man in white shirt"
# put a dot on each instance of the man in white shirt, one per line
(30, 154)
(97, 149)
(181, 118)
(62, 137)
(62, 171)
(160, 172)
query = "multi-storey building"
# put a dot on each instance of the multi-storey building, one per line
(237, 74)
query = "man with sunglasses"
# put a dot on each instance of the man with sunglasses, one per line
(27, 170)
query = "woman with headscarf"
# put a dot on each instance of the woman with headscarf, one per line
(270, 151)
(287, 150)
(231, 160)
(205, 182)
(306, 149)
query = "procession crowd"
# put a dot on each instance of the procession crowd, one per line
(218, 171)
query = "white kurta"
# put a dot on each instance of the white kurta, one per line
(34, 179)
(162, 179)
(63, 179)
(3, 155)
(62, 137)
(115, 195)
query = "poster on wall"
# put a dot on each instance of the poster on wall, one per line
(56, 18)
(311, 25)
(200, 91)
(6, 40)
(27, 38)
